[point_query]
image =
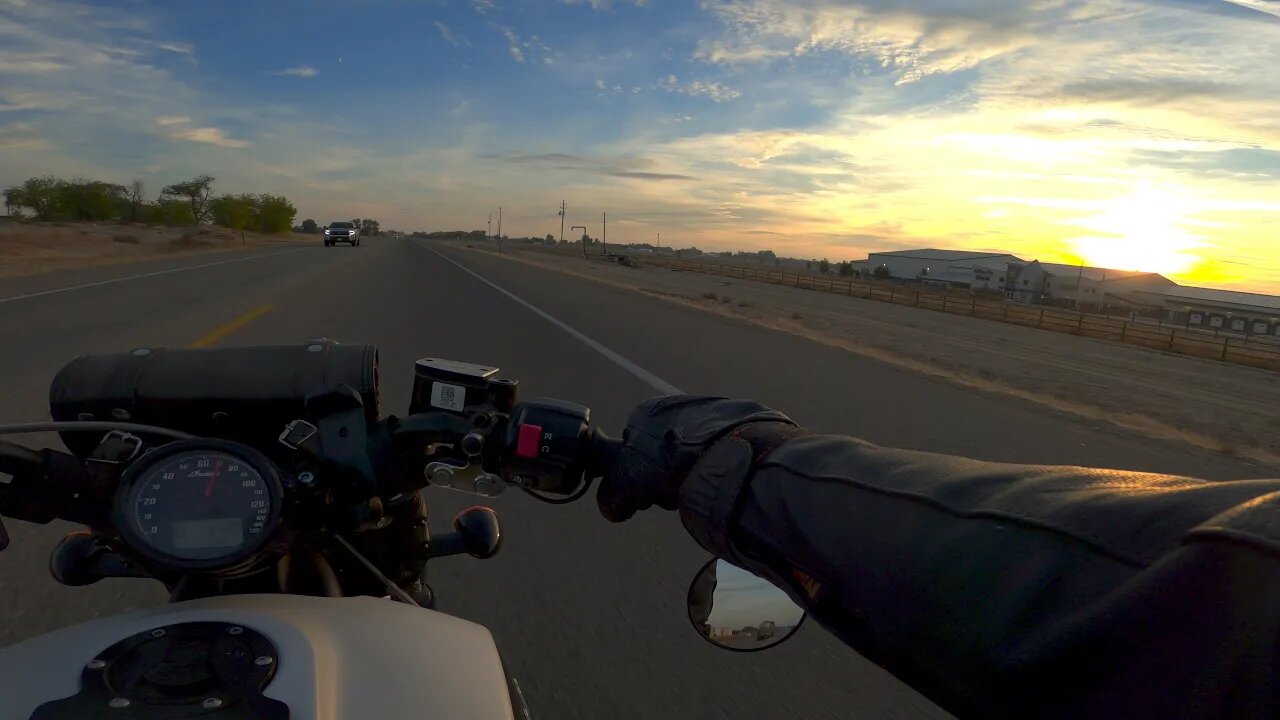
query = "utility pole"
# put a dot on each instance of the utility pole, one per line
(562, 221)
(604, 236)
(584, 237)
(489, 232)
(499, 229)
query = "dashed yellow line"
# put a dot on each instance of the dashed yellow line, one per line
(227, 328)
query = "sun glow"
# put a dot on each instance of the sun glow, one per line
(1150, 229)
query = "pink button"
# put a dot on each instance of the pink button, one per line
(527, 441)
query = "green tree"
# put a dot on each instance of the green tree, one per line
(39, 194)
(237, 212)
(845, 269)
(310, 227)
(197, 192)
(881, 271)
(275, 213)
(369, 227)
(170, 212)
(91, 200)
(551, 238)
(824, 266)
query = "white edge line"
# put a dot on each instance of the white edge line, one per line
(113, 281)
(654, 381)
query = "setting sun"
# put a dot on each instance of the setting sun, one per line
(1145, 230)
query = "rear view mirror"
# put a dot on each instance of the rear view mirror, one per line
(736, 610)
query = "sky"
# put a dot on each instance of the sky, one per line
(1122, 133)
(744, 600)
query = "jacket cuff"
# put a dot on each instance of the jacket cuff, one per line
(709, 497)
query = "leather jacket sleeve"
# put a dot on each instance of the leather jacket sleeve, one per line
(1013, 591)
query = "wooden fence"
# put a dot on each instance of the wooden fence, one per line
(1177, 340)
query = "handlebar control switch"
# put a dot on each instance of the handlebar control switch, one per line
(547, 442)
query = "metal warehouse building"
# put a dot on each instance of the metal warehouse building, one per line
(947, 267)
(1225, 310)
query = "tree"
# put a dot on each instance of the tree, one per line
(90, 200)
(310, 227)
(355, 222)
(845, 269)
(551, 238)
(237, 212)
(766, 256)
(808, 264)
(368, 227)
(198, 192)
(274, 213)
(40, 194)
(170, 212)
(136, 197)
(824, 266)
(881, 271)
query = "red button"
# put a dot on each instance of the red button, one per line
(527, 441)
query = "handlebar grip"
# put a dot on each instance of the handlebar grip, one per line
(248, 393)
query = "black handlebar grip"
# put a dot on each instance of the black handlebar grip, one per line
(245, 393)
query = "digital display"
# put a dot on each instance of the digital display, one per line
(212, 533)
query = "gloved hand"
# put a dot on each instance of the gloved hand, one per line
(663, 440)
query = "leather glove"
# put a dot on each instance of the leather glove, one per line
(663, 440)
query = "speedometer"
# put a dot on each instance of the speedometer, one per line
(199, 504)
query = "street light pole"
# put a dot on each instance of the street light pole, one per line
(604, 235)
(584, 237)
(561, 221)
(489, 232)
(499, 229)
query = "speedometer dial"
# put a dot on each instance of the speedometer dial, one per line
(199, 504)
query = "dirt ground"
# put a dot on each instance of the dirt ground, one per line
(32, 248)
(1223, 408)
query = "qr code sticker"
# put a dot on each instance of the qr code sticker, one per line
(448, 397)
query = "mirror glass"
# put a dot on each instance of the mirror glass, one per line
(737, 610)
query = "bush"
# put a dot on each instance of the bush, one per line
(170, 212)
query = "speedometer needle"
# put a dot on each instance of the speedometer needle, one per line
(208, 488)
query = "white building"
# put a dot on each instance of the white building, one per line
(940, 267)
(1059, 283)
(1226, 310)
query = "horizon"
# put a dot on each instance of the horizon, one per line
(1126, 134)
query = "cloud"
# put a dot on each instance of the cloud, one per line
(211, 136)
(602, 4)
(521, 50)
(179, 48)
(165, 120)
(1270, 7)
(447, 35)
(713, 90)
(484, 7)
(25, 62)
(21, 136)
(305, 71)
(635, 175)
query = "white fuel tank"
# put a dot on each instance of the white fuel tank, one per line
(338, 658)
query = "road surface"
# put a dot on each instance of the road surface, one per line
(590, 616)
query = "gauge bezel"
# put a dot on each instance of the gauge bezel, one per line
(121, 512)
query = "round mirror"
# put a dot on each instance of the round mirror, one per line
(737, 610)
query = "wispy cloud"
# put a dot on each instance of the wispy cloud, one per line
(714, 90)
(305, 71)
(447, 35)
(602, 4)
(484, 7)
(177, 47)
(166, 120)
(210, 136)
(521, 50)
(25, 62)
(513, 44)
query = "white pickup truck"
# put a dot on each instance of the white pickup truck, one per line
(341, 231)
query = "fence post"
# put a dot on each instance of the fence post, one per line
(1080, 322)
(1006, 313)
(1172, 335)
(973, 306)
(1225, 340)
(945, 298)
(1124, 329)
(1040, 322)
(891, 294)
(917, 298)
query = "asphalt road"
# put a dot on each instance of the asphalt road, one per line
(590, 616)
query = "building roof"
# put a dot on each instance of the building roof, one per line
(938, 254)
(1224, 297)
(1071, 272)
